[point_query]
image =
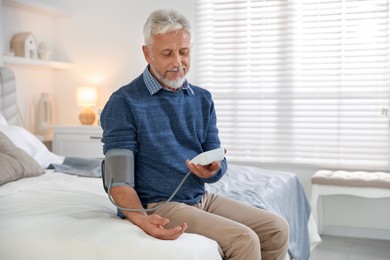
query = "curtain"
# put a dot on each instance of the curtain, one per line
(301, 81)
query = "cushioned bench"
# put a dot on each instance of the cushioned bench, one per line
(358, 183)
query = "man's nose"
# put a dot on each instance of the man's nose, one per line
(176, 60)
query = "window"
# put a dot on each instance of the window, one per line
(299, 81)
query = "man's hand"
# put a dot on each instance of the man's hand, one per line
(154, 225)
(204, 171)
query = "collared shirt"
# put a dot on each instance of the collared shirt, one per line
(154, 86)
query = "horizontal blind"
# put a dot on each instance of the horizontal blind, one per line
(300, 81)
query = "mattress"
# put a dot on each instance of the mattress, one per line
(62, 216)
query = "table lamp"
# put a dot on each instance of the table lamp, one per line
(86, 98)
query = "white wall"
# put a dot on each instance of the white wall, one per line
(31, 81)
(103, 39)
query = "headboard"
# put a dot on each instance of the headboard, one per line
(8, 105)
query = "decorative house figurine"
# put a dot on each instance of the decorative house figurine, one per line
(24, 45)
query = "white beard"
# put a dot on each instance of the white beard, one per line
(174, 84)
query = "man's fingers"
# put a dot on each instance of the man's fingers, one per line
(158, 220)
(204, 171)
(170, 234)
(157, 228)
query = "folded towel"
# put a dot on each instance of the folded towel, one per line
(84, 167)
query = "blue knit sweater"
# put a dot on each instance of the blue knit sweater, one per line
(163, 129)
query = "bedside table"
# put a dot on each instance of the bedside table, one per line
(78, 141)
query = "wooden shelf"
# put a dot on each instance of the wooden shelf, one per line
(36, 62)
(38, 7)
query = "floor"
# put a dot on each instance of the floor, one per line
(344, 248)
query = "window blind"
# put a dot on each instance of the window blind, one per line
(300, 81)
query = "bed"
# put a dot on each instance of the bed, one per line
(51, 214)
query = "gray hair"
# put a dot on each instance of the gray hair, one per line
(164, 21)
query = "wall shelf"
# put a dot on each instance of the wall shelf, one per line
(41, 8)
(38, 7)
(36, 62)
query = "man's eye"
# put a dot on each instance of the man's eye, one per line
(166, 54)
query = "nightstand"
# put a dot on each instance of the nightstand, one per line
(78, 141)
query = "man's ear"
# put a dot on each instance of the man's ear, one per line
(147, 54)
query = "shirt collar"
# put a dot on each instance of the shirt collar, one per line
(154, 86)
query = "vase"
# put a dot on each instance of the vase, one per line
(44, 115)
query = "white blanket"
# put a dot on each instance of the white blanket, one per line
(60, 216)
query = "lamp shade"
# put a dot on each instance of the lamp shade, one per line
(86, 96)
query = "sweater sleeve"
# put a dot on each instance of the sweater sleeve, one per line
(119, 128)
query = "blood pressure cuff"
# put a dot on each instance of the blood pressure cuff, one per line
(118, 168)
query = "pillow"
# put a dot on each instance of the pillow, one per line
(3, 121)
(31, 145)
(15, 163)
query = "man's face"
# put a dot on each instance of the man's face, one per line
(169, 57)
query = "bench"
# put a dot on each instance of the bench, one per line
(357, 183)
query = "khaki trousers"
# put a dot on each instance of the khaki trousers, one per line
(242, 231)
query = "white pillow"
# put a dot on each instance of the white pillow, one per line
(31, 145)
(3, 121)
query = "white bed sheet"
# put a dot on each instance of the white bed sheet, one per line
(60, 216)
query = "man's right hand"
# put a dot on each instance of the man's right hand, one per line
(154, 225)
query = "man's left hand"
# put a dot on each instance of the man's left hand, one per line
(204, 171)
